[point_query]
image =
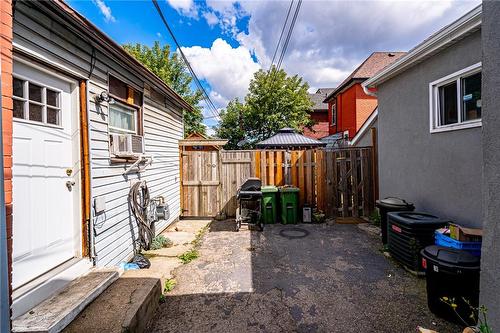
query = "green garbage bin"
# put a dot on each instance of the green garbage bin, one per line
(269, 204)
(289, 197)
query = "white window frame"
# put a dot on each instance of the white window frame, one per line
(434, 114)
(26, 101)
(121, 130)
(334, 114)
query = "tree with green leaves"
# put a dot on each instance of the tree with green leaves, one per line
(274, 100)
(171, 69)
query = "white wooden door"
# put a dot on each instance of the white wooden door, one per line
(45, 173)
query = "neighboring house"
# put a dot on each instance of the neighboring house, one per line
(439, 139)
(79, 113)
(288, 138)
(200, 142)
(319, 114)
(429, 123)
(367, 134)
(348, 105)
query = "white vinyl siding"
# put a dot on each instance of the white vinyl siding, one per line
(52, 41)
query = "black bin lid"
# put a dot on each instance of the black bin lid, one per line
(416, 219)
(393, 202)
(449, 257)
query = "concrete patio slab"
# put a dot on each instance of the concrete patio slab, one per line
(318, 278)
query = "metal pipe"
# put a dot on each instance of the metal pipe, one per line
(91, 196)
(4, 262)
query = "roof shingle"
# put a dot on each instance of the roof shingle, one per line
(371, 66)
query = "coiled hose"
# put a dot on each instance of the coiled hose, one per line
(140, 204)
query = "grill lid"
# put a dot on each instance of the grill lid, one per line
(251, 184)
(394, 202)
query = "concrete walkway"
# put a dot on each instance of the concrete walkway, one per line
(332, 278)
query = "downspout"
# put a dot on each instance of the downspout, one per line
(93, 255)
(4, 262)
(368, 91)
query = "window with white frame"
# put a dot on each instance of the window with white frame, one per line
(36, 102)
(334, 114)
(455, 100)
(122, 118)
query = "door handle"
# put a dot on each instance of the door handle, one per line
(70, 184)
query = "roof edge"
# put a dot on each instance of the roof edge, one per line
(96, 34)
(448, 35)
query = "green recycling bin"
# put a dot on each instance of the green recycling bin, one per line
(289, 197)
(269, 204)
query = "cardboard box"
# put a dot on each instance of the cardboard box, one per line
(464, 234)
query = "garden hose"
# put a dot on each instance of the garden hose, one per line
(140, 204)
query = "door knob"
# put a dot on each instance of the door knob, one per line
(70, 184)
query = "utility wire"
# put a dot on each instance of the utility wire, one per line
(281, 35)
(290, 30)
(208, 101)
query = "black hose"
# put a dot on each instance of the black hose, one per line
(139, 203)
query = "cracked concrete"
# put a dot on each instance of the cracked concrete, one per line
(333, 280)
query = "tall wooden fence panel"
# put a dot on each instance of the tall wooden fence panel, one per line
(338, 182)
(200, 183)
(237, 166)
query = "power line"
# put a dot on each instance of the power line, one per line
(290, 30)
(208, 101)
(281, 35)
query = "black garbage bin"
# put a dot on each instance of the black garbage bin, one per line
(451, 274)
(391, 204)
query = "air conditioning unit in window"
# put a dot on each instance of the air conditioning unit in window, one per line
(126, 145)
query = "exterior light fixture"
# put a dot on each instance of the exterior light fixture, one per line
(104, 97)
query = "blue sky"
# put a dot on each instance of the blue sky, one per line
(227, 41)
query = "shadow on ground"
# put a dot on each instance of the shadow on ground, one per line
(334, 279)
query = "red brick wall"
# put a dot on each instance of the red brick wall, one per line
(365, 104)
(6, 54)
(346, 111)
(353, 108)
(320, 129)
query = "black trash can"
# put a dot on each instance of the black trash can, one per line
(409, 233)
(451, 274)
(391, 204)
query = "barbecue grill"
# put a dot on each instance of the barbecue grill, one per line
(249, 198)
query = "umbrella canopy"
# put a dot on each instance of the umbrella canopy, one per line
(287, 138)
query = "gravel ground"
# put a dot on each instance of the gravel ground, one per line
(321, 278)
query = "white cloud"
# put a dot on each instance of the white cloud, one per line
(331, 38)
(185, 7)
(105, 10)
(227, 69)
(211, 18)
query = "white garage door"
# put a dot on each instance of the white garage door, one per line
(45, 173)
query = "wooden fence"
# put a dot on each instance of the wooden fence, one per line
(339, 182)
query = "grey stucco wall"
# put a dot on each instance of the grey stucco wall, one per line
(439, 172)
(490, 264)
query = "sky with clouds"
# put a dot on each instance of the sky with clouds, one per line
(227, 41)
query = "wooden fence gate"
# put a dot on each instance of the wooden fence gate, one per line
(338, 182)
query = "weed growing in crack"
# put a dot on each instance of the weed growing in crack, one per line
(189, 256)
(169, 285)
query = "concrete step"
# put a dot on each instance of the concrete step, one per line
(126, 306)
(56, 312)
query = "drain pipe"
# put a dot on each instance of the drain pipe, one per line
(368, 91)
(4, 262)
(91, 196)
